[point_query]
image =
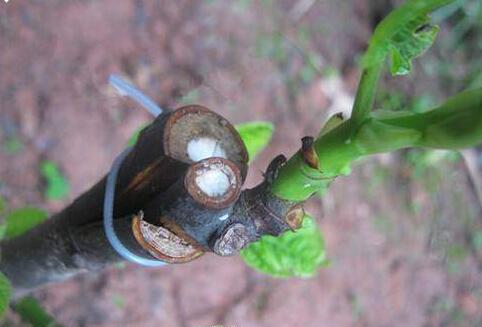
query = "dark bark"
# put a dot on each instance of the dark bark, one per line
(73, 240)
(56, 250)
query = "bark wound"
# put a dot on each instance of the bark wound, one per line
(232, 240)
(294, 217)
(162, 243)
(308, 152)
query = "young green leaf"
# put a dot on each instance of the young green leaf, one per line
(5, 293)
(21, 220)
(255, 135)
(32, 312)
(404, 34)
(402, 52)
(298, 253)
(57, 185)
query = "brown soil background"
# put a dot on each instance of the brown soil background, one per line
(391, 265)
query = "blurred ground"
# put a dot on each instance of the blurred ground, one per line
(404, 231)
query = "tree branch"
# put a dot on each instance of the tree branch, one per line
(167, 205)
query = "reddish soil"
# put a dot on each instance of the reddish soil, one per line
(391, 265)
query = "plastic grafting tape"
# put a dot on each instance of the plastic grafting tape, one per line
(127, 89)
(109, 217)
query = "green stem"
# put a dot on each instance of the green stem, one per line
(365, 96)
(454, 125)
(334, 148)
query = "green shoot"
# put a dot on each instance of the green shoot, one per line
(403, 35)
(454, 125)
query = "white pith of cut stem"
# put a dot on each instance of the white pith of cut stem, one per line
(213, 181)
(204, 147)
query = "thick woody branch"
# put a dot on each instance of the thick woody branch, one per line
(58, 248)
(178, 195)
